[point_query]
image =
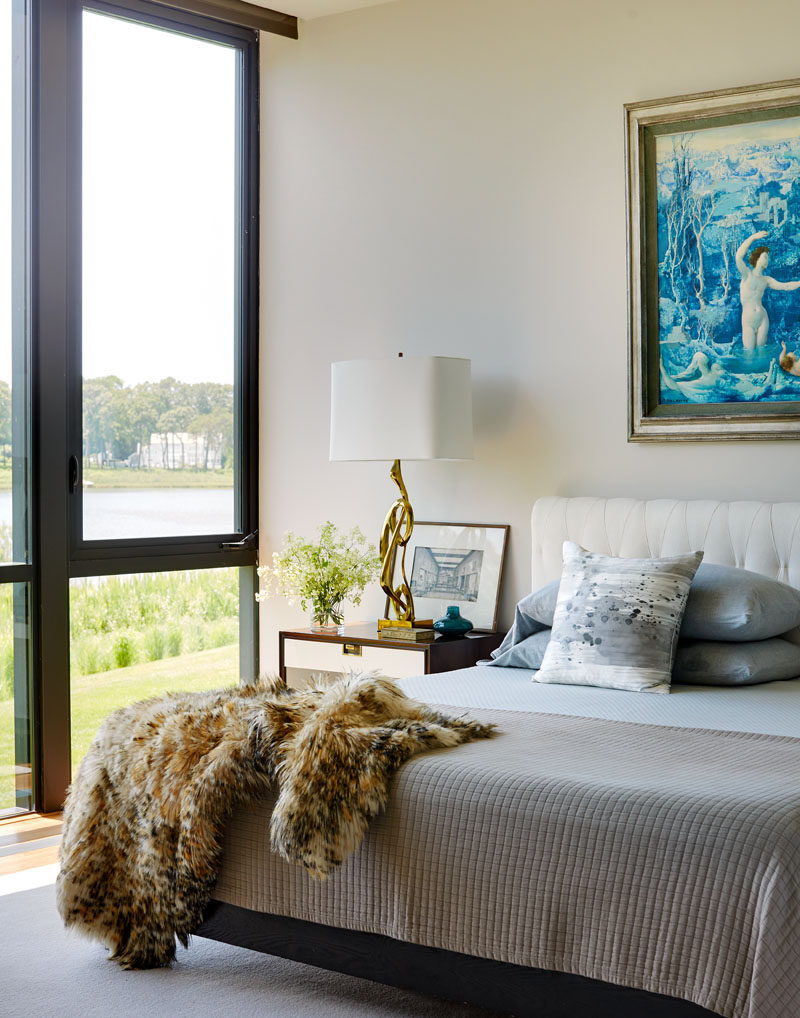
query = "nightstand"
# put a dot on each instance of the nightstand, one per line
(306, 652)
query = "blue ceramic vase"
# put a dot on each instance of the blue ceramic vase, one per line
(452, 624)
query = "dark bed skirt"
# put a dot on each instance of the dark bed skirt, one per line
(510, 988)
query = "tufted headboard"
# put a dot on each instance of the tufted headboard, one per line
(761, 536)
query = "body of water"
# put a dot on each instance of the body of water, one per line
(149, 512)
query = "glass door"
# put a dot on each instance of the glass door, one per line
(15, 568)
(159, 329)
(162, 345)
(144, 248)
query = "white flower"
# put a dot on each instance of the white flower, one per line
(336, 568)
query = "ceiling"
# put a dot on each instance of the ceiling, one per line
(307, 9)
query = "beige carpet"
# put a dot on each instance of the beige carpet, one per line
(47, 972)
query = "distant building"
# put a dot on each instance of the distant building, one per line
(176, 450)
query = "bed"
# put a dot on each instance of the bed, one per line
(609, 853)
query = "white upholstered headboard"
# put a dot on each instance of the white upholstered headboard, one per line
(761, 536)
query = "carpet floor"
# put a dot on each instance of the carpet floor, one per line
(46, 971)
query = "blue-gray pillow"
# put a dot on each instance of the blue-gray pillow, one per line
(714, 663)
(616, 620)
(793, 635)
(725, 603)
(528, 653)
(533, 614)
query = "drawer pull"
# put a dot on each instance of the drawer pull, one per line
(353, 649)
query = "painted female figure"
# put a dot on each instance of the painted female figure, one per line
(755, 321)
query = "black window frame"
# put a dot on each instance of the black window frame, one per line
(59, 551)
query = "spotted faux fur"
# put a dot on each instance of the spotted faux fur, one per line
(144, 819)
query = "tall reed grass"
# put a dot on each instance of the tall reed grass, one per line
(118, 621)
(124, 620)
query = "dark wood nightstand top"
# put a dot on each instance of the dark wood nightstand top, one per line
(442, 654)
(366, 633)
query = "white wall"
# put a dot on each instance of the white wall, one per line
(446, 177)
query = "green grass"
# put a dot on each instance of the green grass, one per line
(132, 637)
(128, 620)
(7, 797)
(94, 697)
(124, 477)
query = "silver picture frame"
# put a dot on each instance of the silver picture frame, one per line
(650, 419)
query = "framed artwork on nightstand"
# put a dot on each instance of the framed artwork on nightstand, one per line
(456, 563)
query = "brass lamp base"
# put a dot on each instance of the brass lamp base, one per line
(397, 528)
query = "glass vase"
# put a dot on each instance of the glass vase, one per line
(327, 616)
(453, 623)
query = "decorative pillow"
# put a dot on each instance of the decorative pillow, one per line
(616, 620)
(726, 603)
(532, 614)
(793, 636)
(528, 653)
(710, 663)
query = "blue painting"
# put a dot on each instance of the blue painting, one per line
(728, 213)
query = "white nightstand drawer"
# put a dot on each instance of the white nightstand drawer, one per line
(316, 655)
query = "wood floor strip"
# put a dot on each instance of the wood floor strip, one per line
(29, 841)
(12, 836)
(25, 821)
(28, 860)
(30, 846)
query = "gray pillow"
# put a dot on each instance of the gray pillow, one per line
(532, 614)
(793, 635)
(528, 653)
(725, 603)
(616, 620)
(710, 663)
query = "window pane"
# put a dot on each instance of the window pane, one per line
(15, 742)
(142, 635)
(13, 275)
(15, 756)
(159, 280)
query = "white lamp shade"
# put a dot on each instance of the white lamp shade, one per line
(406, 408)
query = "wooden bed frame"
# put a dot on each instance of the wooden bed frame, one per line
(751, 535)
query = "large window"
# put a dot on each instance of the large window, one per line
(16, 571)
(159, 294)
(132, 637)
(127, 544)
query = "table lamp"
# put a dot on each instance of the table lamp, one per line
(393, 409)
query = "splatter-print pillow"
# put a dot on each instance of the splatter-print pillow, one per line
(616, 620)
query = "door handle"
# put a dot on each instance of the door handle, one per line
(73, 473)
(246, 542)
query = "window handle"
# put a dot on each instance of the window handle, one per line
(246, 542)
(73, 472)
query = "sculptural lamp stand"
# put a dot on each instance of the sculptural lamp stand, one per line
(404, 408)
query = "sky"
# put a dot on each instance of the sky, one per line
(158, 203)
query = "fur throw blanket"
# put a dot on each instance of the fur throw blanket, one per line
(145, 816)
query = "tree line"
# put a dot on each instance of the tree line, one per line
(119, 420)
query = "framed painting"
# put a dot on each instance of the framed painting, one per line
(714, 265)
(456, 563)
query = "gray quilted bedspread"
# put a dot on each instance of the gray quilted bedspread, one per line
(666, 859)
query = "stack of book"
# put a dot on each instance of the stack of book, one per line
(407, 633)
